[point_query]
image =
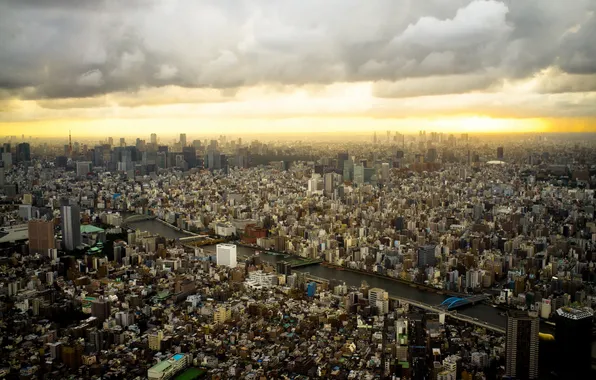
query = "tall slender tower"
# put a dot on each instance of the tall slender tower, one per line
(69, 143)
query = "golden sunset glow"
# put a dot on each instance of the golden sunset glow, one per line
(285, 69)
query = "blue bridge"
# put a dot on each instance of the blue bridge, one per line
(452, 303)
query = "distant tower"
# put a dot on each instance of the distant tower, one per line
(500, 153)
(69, 143)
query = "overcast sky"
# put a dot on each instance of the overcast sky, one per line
(240, 63)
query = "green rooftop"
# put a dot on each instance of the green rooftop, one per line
(90, 229)
(161, 366)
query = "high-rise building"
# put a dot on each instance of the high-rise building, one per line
(2, 176)
(426, 256)
(329, 183)
(41, 236)
(226, 255)
(190, 156)
(385, 172)
(71, 226)
(100, 309)
(380, 299)
(155, 339)
(153, 139)
(183, 140)
(500, 153)
(23, 152)
(359, 174)
(83, 168)
(573, 340)
(521, 345)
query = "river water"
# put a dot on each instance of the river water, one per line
(397, 289)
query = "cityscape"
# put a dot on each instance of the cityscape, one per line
(260, 191)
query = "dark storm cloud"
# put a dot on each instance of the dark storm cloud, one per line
(68, 48)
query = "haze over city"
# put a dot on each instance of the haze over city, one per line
(329, 189)
(125, 67)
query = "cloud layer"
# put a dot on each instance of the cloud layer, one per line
(66, 49)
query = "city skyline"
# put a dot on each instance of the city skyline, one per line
(453, 67)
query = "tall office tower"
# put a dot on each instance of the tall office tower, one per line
(153, 139)
(341, 159)
(385, 171)
(500, 153)
(161, 160)
(380, 299)
(100, 309)
(431, 155)
(329, 183)
(359, 174)
(214, 160)
(7, 160)
(2, 176)
(190, 156)
(426, 256)
(122, 142)
(41, 236)
(23, 152)
(521, 346)
(71, 225)
(110, 141)
(573, 340)
(348, 169)
(183, 140)
(226, 255)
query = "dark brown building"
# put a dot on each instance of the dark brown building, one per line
(41, 236)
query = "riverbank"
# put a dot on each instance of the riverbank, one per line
(416, 285)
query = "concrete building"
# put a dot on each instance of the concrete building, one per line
(168, 368)
(226, 255)
(41, 236)
(521, 345)
(426, 256)
(574, 342)
(380, 299)
(83, 168)
(71, 226)
(222, 314)
(155, 339)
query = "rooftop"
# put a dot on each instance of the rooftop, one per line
(161, 366)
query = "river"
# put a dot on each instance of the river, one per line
(397, 289)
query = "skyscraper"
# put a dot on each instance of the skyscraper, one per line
(426, 256)
(573, 340)
(521, 346)
(71, 225)
(500, 153)
(100, 309)
(23, 152)
(153, 139)
(183, 140)
(41, 236)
